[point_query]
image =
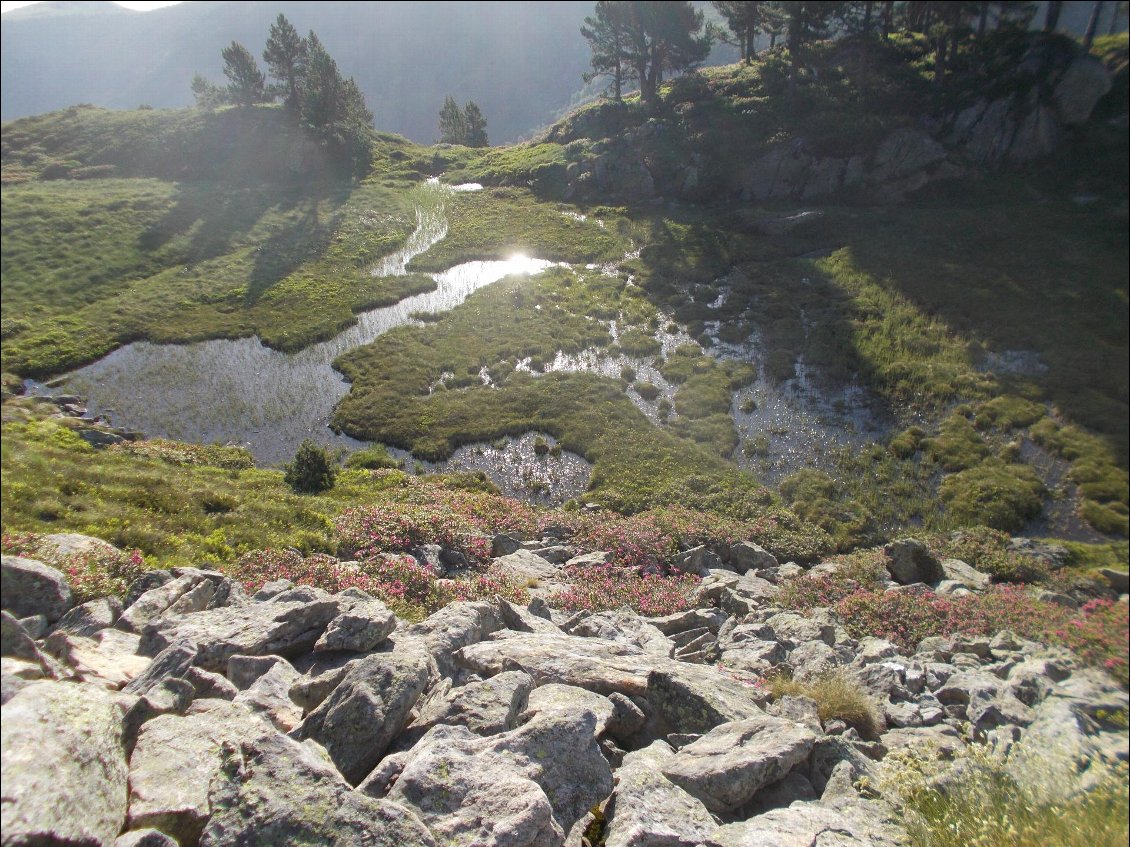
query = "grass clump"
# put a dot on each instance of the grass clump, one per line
(372, 458)
(994, 493)
(837, 698)
(957, 446)
(987, 807)
(1008, 412)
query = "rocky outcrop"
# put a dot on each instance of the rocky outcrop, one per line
(491, 723)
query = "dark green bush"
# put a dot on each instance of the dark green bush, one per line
(312, 471)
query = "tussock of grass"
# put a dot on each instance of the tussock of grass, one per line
(985, 807)
(837, 698)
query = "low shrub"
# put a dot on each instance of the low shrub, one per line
(600, 589)
(91, 575)
(312, 471)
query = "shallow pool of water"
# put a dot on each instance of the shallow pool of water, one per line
(242, 392)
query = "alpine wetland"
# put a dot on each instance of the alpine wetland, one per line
(565, 424)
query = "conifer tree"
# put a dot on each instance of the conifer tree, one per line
(285, 56)
(607, 35)
(246, 83)
(474, 126)
(452, 123)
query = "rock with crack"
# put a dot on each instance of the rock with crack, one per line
(452, 627)
(173, 763)
(360, 629)
(731, 763)
(252, 629)
(486, 707)
(81, 797)
(528, 786)
(273, 790)
(369, 707)
(648, 810)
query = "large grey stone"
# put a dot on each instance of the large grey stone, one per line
(109, 659)
(369, 707)
(273, 790)
(909, 561)
(29, 587)
(1076, 93)
(64, 766)
(486, 707)
(269, 696)
(731, 763)
(90, 617)
(361, 629)
(593, 663)
(842, 824)
(747, 556)
(252, 629)
(648, 810)
(454, 626)
(523, 787)
(173, 763)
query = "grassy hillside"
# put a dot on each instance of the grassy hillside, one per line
(987, 314)
(183, 225)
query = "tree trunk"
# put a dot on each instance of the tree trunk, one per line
(1092, 24)
(888, 18)
(983, 20)
(1051, 18)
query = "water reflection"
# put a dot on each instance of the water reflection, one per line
(243, 392)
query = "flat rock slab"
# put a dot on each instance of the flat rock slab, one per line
(65, 777)
(854, 824)
(731, 763)
(593, 663)
(251, 629)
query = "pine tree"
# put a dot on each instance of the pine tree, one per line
(743, 19)
(474, 126)
(285, 56)
(607, 35)
(208, 95)
(452, 123)
(663, 36)
(246, 83)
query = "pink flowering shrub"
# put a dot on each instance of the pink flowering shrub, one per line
(400, 581)
(90, 575)
(599, 589)
(1098, 632)
(395, 527)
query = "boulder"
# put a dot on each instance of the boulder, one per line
(252, 629)
(173, 763)
(485, 707)
(840, 824)
(909, 561)
(273, 790)
(369, 707)
(524, 787)
(452, 627)
(1077, 92)
(269, 696)
(957, 571)
(731, 763)
(593, 663)
(745, 555)
(64, 765)
(648, 810)
(361, 629)
(467, 794)
(89, 618)
(696, 699)
(109, 659)
(29, 587)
